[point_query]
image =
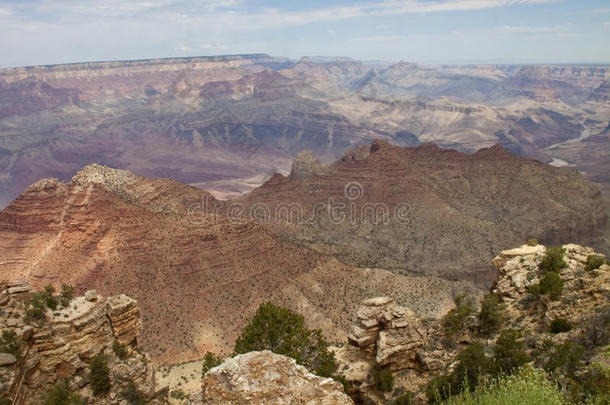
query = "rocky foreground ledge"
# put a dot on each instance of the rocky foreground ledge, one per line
(385, 334)
(60, 345)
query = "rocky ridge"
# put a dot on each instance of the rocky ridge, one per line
(61, 346)
(196, 272)
(410, 201)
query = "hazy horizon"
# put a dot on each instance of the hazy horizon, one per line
(40, 32)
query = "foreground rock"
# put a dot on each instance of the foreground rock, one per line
(268, 378)
(61, 345)
(387, 335)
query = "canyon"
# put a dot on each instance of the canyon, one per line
(225, 124)
(199, 267)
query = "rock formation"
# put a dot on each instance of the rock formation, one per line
(420, 208)
(386, 335)
(197, 273)
(61, 345)
(268, 378)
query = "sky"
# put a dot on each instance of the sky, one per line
(36, 32)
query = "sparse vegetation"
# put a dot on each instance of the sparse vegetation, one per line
(67, 295)
(553, 260)
(594, 262)
(528, 387)
(403, 399)
(490, 315)
(9, 343)
(60, 394)
(133, 395)
(178, 394)
(564, 359)
(552, 285)
(210, 360)
(120, 350)
(532, 242)
(283, 332)
(99, 374)
(509, 353)
(49, 299)
(472, 364)
(455, 319)
(560, 325)
(383, 378)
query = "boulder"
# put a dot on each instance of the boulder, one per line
(7, 359)
(268, 378)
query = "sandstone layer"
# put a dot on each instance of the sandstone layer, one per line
(61, 345)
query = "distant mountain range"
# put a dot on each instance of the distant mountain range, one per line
(227, 123)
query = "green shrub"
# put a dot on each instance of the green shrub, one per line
(565, 359)
(553, 260)
(10, 344)
(509, 353)
(442, 387)
(528, 387)
(454, 320)
(594, 262)
(120, 350)
(60, 394)
(403, 399)
(210, 360)
(99, 374)
(596, 381)
(383, 378)
(560, 325)
(552, 285)
(490, 315)
(179, 395)
(472, 364)
(283, 332)
(67, 295)
(48, 298)
(35, 309)
(133, 395)
(532, 242)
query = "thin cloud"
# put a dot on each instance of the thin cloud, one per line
(183, 48)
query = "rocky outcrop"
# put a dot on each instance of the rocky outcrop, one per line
(517, 270)
(259, 378)
(60, 346)
(396, 337)
(385, 334)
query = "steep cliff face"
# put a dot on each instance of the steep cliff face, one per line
(421, 208)
(197, 271)
(61, 344)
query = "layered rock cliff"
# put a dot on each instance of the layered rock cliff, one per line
(59, 345)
